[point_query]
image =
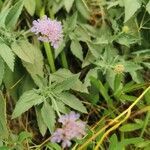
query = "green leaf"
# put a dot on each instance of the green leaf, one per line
(82, 8)
(130, 141)
(125, 97)
(110, 77)
(63, 74)
(68, 4)
(131, 6)
(26, 101)
(65, 85)
(118, 82)
(48, 115)
(130, 127)
(30, 6)
(98, 84)
(114, 143)
(3, 16)
(136, 76)
(36, 68)
(76, 49)
(7, 55)
(91, 73)
(72, 101)
(2, 67)
(127, 39)
(60, 48)
(3, 118)
(53, 146)
(70, 23)
(24, 51)
(148, 7)
(23, 136)
(14, 14)
(42, 126)
(146, 64)
(131, 66)
(143, 144)
(89, 58)
(94, 49)
(61, 107)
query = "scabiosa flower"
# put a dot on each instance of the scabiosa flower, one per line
(48, 30)
(72, 128)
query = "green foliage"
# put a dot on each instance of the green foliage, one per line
(131, 6)
(72, 101)
(14, 14)
(30, 6)
(48, 116)
(3, 119)
(106, 50)
(7, 55)
(26, 101)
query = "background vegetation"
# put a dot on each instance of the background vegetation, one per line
(101, 70)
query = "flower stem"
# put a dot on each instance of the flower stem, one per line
(48, 49)
(64, 60)
(50, 56)
(62, 54)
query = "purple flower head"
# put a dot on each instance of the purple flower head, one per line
(72, 128)
(68, 117)
(48, 30)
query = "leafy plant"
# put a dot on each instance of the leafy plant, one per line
(100, 69)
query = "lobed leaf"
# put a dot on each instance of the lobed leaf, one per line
(26, 101)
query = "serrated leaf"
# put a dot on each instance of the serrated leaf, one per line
(76, 49)
(61, 107)
(131, 66)
(70, 23)
(89, 58)
(82, 8)
(26, 101)
(48, 115)
(148, 7)
(65, 85)
(35, 69)
(72, 102)
(131, 6)
(68, 4)
(14, 14)
(94, 49)
(30, 6)
(127, 40)
(3, 16)
(42, 126)
(63, 74)
(7, 55)
(3, 119)
(24, 51)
